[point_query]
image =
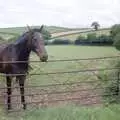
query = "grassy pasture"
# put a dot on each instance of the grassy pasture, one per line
(70, 32)
(69, 52)
(68, 112)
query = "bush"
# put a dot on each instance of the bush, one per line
(61, 42)
(105, 40)
(115, 29)
(46, 42)
(80, 37)
(117, 41)
(91, 37)
(80, 40)
(1, 39)
(46, 34)
(110, 82)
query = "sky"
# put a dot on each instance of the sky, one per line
(64, 13)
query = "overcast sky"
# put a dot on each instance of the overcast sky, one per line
(66, 13)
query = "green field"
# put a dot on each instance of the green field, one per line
(69, 52)
(68, 112)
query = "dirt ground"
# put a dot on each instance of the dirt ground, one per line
(36, 97)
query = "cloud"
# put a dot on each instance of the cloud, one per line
(69, 13)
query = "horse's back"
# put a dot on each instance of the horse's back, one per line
(2, 47)
(6, 54)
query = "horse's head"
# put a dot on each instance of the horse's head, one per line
(36, 42)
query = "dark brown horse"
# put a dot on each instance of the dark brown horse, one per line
(31, 40)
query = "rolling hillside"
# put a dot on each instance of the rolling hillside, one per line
(73, 34)
(51, 29)
(57, 32)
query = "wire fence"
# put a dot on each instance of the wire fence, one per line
(63, 60)
(89, 91)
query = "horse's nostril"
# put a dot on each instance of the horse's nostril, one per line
(44, 58)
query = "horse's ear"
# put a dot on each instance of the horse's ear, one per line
(41, 28)
(28, 27)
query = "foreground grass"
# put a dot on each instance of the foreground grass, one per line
(67, 113)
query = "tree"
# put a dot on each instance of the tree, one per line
(1, 38)
(115, 34)
(117, 41)
(95, 25)
(46, 34)
(115, 29)
(91, 37)
(80, 40)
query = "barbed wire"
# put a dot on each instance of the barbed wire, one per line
(64, 72)
(62, 60)
(60, 84)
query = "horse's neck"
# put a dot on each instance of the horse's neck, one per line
(24, 53)
(23, 50)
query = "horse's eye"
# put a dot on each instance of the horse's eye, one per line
(35, 39)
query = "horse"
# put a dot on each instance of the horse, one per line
(31, 40)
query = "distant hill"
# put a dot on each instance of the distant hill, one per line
(73, 34)
(57, 32)
(51, 29)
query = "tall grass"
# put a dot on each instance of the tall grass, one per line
(68, 113)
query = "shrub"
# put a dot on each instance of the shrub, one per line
(1, 39)
(117, 41)
(61, 42)
(110, 82)
(46, 34)
(80, 40)
(105, 40)
(115, 29)
(91, 37)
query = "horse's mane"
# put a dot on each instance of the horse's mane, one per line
(22, 37)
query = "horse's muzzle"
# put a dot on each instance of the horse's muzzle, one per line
(44, 58)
